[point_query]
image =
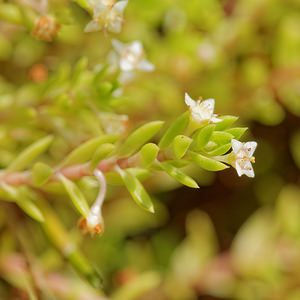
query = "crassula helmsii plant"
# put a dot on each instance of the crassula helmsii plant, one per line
(75, 130)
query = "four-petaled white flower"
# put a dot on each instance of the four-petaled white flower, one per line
(202, 110)
(107, 15)
(243, 157)
(132, 56)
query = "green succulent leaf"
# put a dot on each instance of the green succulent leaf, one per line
(86, 151)
(136, 190)
(175, 129)
(30, 154)
(237, 132)
(41, 173)
(148, 154)
(202, 136)
(206, 163)
(178, 174)
(181, 144)
(221, 137)
(116, 179)
(226, 122)
(23, 202)
(139, 137)
(220, 150)
(102, 152)
(76, 196)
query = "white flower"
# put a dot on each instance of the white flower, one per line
(107, 15)
(243, 157)
(132, 56)
(201, 110)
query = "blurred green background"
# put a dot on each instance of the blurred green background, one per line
(234, 238)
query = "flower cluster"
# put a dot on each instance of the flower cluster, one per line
(202, 112)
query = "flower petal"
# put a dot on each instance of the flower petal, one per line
(120, 6)
(145, 65)
(189, 101)
(208, 105)
(125, 65)
(117, 45)
(238, 168)
(92, 26)
(236, 146)
(250, 147)
(136, 48)
(115, 26)
(248, 169)
(98, 9)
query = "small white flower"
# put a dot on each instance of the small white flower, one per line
(202, 110)
(107, 15)
(243, 157)
(132, 56)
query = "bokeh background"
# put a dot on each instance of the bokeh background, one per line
(234, 238)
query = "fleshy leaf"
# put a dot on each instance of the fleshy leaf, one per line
(202, 136)
(30, 153)
(102, 152)
(178, 175)
(206, 163)
(237, 132)
(76, 196)
(41, 173)
(136, 190)
(221, 137)
(139, 137)
(220, 150)
(226, 122)
(148, 154)
(116, 179)
(175, 129)
(181, 144)
(85, 152)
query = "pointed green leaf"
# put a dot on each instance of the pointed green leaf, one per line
(139, 137)
(206, 163)
(226, 122)
(181, 144)
(176, 128)
(80, 66)
(41, 173)
(30, 153)
(30, 208)
(116, 179)
(178, 175)
(148, 154)
(202, 136)
(102, 152)
(221, 137)
(76, 196)
(136, 190)
(85, 151)
(237, 132)
(220, 150)
(23, 202)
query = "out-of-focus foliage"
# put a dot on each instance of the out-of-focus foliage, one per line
(64, 103)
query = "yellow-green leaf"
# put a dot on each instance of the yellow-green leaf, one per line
(148, 154)
(76, 196)
(102, 152)
(30, 153)
(175, 129)
(139, 137)
(85, 151)
(136, 190)
(181, 144)
(237, 132)
(206, 163)
(226, 122)
(41, 173)
(178, 175)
